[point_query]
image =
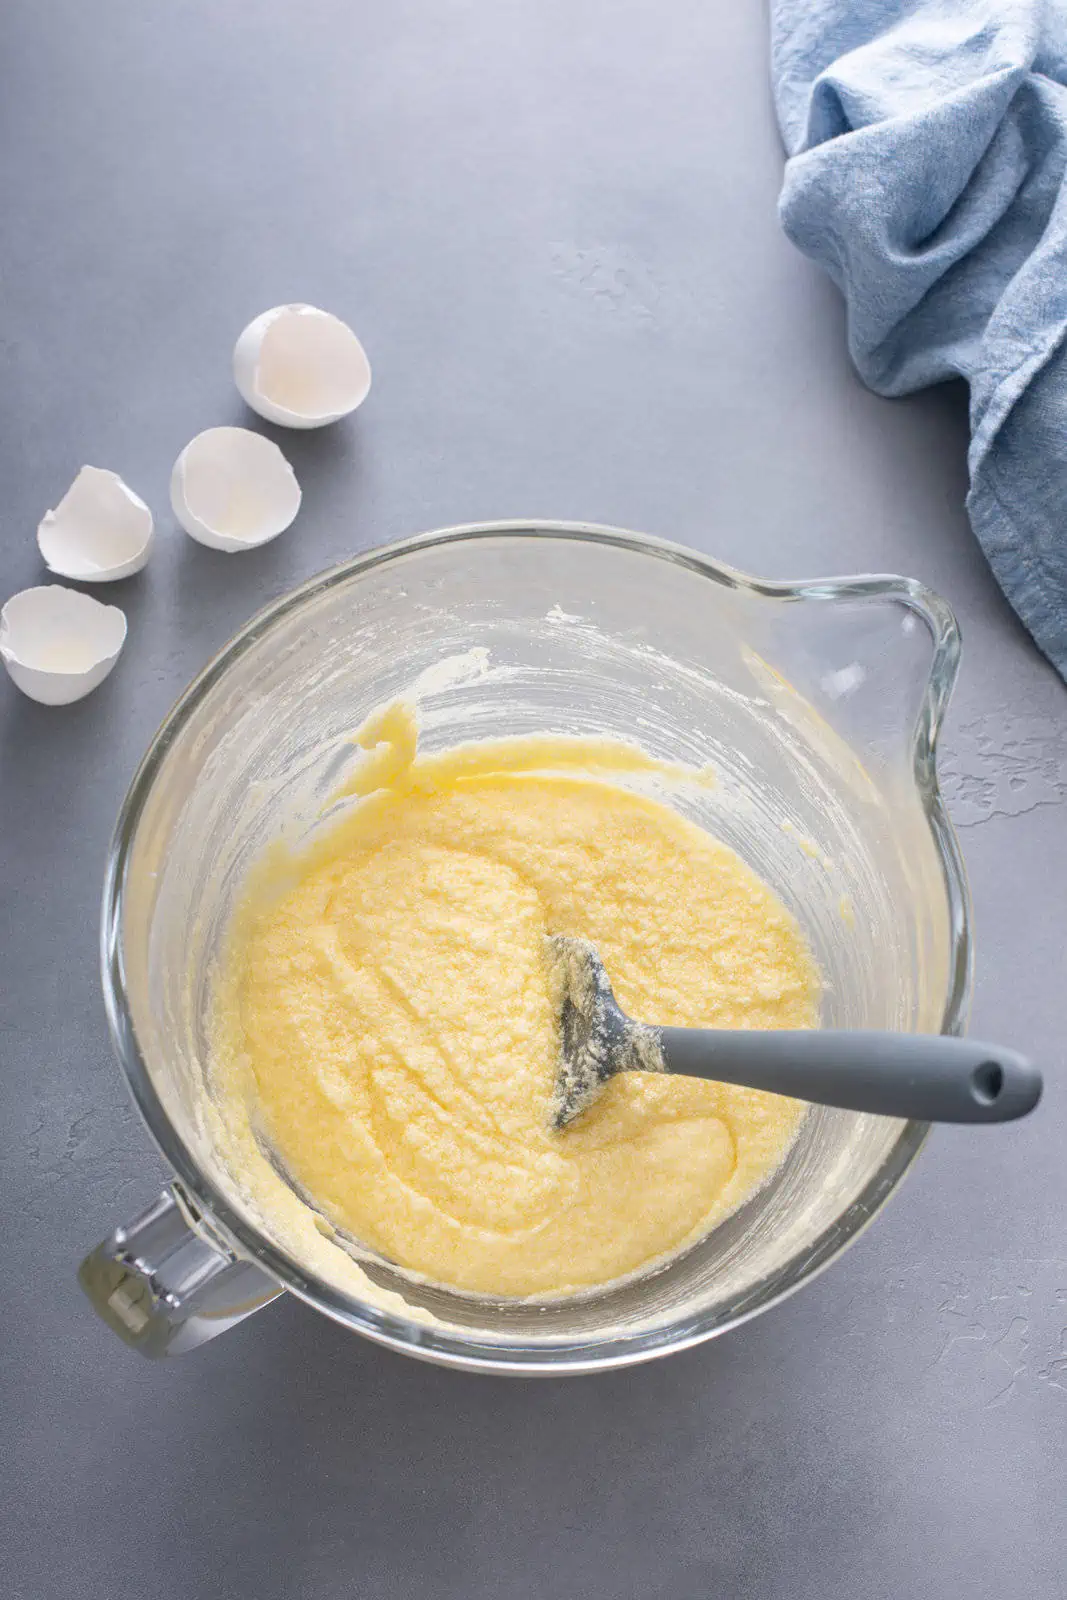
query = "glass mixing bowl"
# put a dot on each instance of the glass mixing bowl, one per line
(817, 702)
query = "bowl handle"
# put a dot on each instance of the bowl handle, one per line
(166, 1282)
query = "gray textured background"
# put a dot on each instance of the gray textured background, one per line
(553, 224)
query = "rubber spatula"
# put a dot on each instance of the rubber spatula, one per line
(928, 1077)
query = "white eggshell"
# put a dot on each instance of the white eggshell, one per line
(98, 532)
(58, 644)
(233, 490)
(301, 367)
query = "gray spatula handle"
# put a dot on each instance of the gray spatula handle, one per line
(928, 1077)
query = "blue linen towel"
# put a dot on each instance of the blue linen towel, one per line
(927, 144)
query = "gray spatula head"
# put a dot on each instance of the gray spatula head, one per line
(597, 1039)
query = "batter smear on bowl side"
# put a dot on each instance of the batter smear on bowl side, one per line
(386, 1016)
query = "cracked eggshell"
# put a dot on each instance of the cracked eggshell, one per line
(99, 531)
(232, 489)
(58, 644)
(301, 367)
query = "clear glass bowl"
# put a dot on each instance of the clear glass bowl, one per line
(819, 704)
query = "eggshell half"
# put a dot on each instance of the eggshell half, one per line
(301, 367)
(233, 489)
(58, 644)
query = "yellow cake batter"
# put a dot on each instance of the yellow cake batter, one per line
(384, 1013)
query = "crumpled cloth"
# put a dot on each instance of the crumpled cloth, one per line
(927, 144)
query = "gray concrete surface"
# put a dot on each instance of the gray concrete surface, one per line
(553, 224)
